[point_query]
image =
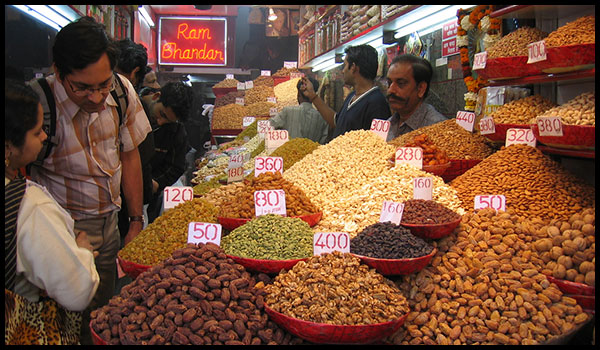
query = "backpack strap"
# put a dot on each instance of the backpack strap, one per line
(119, 94)
(42, 88)
(13, 195)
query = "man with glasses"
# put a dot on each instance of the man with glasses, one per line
(94, 152)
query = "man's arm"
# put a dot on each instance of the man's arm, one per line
(131, 183)
(326, 112)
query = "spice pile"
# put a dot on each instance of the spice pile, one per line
(386, 240)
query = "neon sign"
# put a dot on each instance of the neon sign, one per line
(193, 41)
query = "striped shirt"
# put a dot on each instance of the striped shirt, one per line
(302, 121)
(83, 171)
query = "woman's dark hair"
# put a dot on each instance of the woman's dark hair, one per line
(314, 83)
(80, 44)
(132, 56)
(422, 70)
(20, 111)
(365, 58)
(179, 97)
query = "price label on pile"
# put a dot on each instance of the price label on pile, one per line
(536, 52)
(290, 64)
(410, 155)
(241, 86)
(329, 242)
(204, 232)
(239, 101)
(496, 202)
(276, 138)
(235, 174)
(295, 75)
(487, 126)
(519, 136)
(272, 99)
(391, 211)
(229, 76)
(173, 196)
(236, 161)
(265, 73)
(480, 60)
(268, 164)
(549, 126)
(249, 84)
(247, 121)
(269, 202)
(380, 127)
(263, 126)
(423, 188)
(466, 120)
(273, 112)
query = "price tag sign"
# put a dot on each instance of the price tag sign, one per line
(423, 188)
(276, 138)
(247, 121)
(272, 99)
(173, 196)
(480, 60)
(269, 202)
(380, 127)
(268, 164)
(549, 126)
(519, 136)
(249, 84)
(466, 120)
(235, 174)
(495, 201)
(239, 101)
(391, 211)
(410, 155)
(236, 160)
(263, 126)
(273, 112)
(204, 232)
(536, 52)
(329, 242)
(241, 86)
(487, 126)
(265, 73)
(295, 75)
(228, 76)
(290, 64)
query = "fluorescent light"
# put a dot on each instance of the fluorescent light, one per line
(65, 11)
(429, 19)
(326, 65)
(272, 15)
(50, 14)
(26, 9)
(146, 16)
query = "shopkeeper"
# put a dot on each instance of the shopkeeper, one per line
(362, 105)
(409, 78)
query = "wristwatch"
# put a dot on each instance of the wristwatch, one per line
(136, 218)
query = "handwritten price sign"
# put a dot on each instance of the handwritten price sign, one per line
(204, 232)
(329, 242)
(228, 76)
(269, 202)
(496, 202)
(380, 127)
(519, 136)
(391, 211)
(239, 101)
(423, 188)
(549, 126)
(410, 155)
(466, 120)
(268, 164)
(247, 121)
(173, 196)
(276, 138)
(536, 52)
(480, 60)
(241, 86)
(235, 174)
(487, 126)
(249, 84)
(263, 126)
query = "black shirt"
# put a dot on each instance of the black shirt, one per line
(359, 115)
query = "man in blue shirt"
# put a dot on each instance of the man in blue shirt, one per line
(364, 104)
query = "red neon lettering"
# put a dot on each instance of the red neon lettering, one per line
(196, 34)
(170, 51)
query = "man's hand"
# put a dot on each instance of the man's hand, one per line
(82, 241)
(134, 229)
(308, 89)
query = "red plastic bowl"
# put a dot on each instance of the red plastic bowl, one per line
(432, 231)
(437, 169)
(322, 333)
(390, 267)
(587, 302)
(220, 92)
(574, 137)
(500, 134)
(568, 287)
(132, 269)
(233, 223)
(265, 266)
(96, 338)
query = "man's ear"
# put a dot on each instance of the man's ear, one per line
(421, 88)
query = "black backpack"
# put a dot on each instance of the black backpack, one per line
(41, 86)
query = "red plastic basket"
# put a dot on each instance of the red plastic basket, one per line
(568, 287)
(569, 58)
(265, 266)
(322, 333)
(392, 267)
(132, 269)
(579, 137)
(432, 231)
(458, 167)
(500, 134)
(220, 92)
(95, 337)
(233, 223)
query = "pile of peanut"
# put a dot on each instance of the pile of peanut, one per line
(286, 94)
(483, 288)
(285, 72)
(259, 108)
(258, 94)
(522, 111)
(568, 249)
(457, 142)
(533, 184)
(229, 116)
(335, 289)
(263, 80)
(198, 296)
(579, 111)
(227, 83)
(580, 31)
(515, 43)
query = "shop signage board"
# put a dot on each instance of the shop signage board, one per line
(449, 31)
(192, 41)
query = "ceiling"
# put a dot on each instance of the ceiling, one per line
(217, 10)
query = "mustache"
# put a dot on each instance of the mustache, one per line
(394, 97)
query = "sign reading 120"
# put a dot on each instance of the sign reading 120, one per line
(193, 41)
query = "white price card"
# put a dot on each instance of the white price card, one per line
(268, 164)
(295, 75)
(249, 84)
(276, 138)
(240, 101)
(175, 195)
(380, 127)
(290, 64)
(269, 202)
(329, 242)
(241, 86)
(235, 174)
(265, 73)
(273, 112)
(423, 188)
(480, 60)
(466, 120)
(229, 76)
(410, 155)
(263, 126)
(204, 232)
(487, 126)
(495, 201)
(235, 161)
(391, 211)
(247, 121)
(516, 136)
(549, 126)
(272, 99)
(536, 52)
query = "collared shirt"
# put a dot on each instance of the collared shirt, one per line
(302, 121)
(424, 115)
(359, 114)
(83, 171)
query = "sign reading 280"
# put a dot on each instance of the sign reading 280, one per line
(193, 41)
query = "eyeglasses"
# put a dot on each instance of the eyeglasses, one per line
(104, 89)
